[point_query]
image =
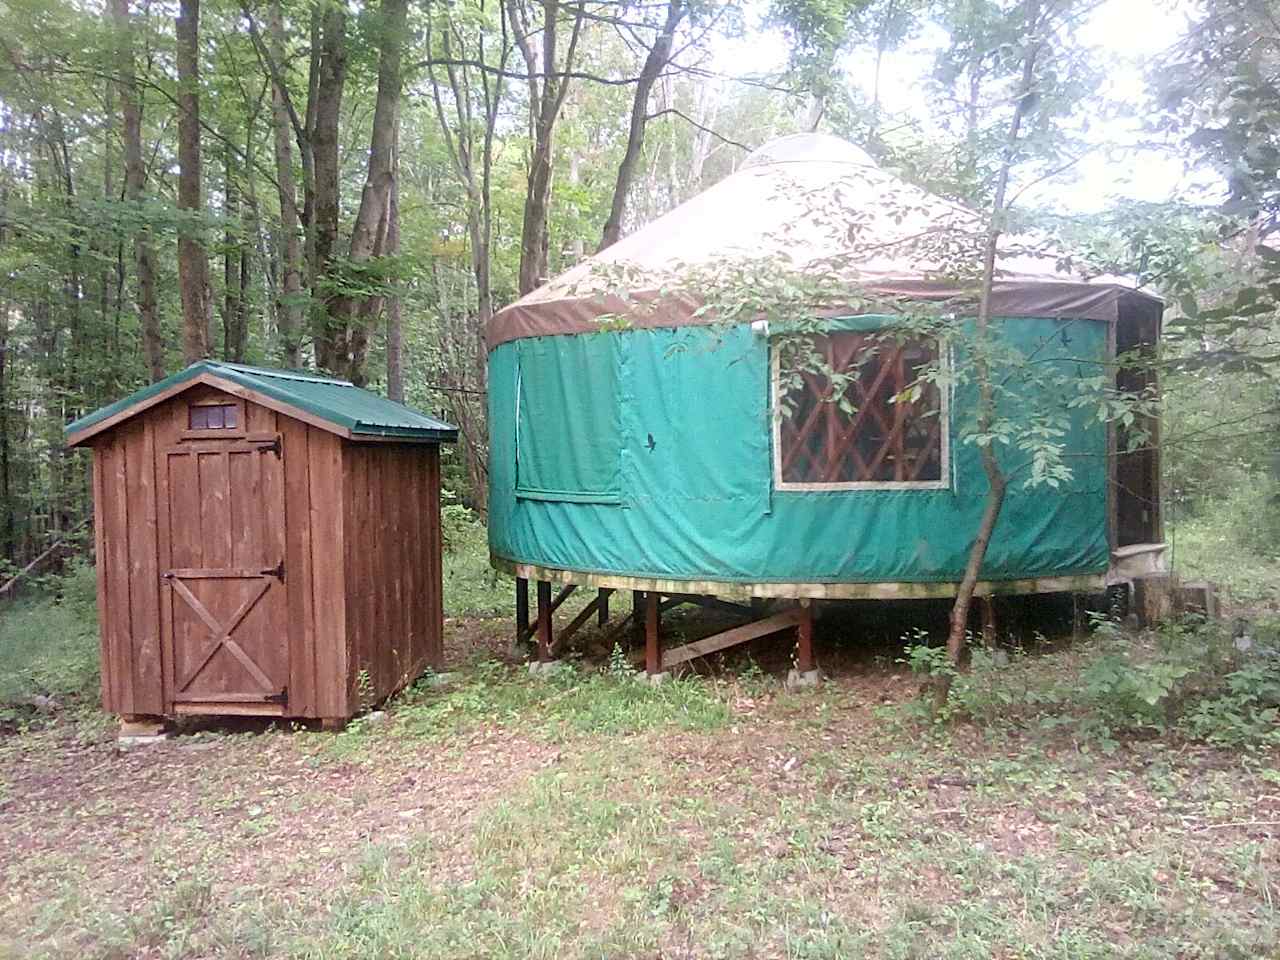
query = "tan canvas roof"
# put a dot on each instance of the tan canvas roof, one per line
(818, 203)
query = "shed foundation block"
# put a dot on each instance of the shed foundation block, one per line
(141, 732)
(802, 679)
(545, 668)
(655, 679)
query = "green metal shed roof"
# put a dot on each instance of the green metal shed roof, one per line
(348, 409)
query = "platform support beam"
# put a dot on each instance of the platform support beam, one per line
(987, 606)
(522, 611)
(602, 606)
(544, 621)
(652, 638)
(804, 637)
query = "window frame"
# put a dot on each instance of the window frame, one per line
(239, 431)
(836, 486)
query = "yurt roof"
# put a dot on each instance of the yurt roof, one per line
(810, 199)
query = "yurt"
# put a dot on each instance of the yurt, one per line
(638, 444)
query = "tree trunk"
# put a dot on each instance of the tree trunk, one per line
(545, 100)
(395, 328)
(289, 307)
(331, 76)
(8, 530)
(135, 175)
(232, 246)
(657, 60)
(193, 260)
(368, 234)
(996, 482)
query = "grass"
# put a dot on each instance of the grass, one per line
(472, 588)
(49, 647)
(589, 815)
(1234, 544)
(798, 826)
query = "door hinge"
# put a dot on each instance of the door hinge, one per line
(281, 697)
(277, 571)
(273, 446)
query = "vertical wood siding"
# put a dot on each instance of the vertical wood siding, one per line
(392, 510)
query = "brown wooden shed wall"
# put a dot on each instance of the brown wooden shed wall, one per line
(395, 616)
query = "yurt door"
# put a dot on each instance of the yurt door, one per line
(225, 576)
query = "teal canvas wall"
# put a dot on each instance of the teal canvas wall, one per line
(669, 449)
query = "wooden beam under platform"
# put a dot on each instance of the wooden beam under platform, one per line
(599, 603)
(732, 637)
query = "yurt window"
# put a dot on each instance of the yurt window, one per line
(888, 429)
(568, 430)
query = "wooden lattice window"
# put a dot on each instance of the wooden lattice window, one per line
(212, 416)
(877, 437)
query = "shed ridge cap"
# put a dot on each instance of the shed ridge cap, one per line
(276, 373)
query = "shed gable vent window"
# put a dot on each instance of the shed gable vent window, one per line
(877, 438)
(212, 416)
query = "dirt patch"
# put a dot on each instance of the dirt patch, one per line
(267, 812)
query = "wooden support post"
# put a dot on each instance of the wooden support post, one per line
(522, 610)
(602, 606)
(652, 641)
(544, 621)
(561, 597)
(1077, 616)
(804, 638)
(987, 605)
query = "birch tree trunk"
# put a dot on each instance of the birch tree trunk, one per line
(545, 100)
(368, 235)
(324, 110)
(395, 327)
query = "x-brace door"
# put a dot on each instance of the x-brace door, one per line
(226, 580)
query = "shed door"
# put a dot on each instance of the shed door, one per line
(228, 642)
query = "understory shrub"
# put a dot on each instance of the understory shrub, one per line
(1215, 682)
(49, 644)
(472, 588)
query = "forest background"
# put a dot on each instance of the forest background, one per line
(356, 188)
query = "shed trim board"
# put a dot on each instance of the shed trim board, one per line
(902, 590)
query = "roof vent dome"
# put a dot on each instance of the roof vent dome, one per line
(808, 148)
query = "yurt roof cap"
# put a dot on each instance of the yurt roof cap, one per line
(768, 207)
(338, 406)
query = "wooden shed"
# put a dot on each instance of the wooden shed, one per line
(268, 543)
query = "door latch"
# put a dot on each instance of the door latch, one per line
(281, 697)
(273, 446)
(277, 571)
